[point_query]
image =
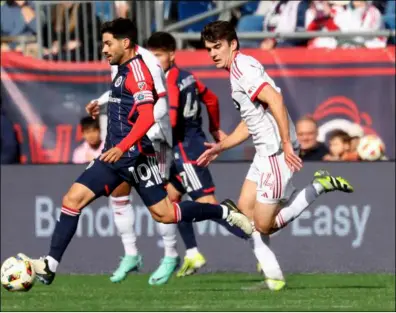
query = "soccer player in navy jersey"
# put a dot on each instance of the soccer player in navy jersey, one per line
(128, 155)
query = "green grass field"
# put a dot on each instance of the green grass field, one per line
(208, 292)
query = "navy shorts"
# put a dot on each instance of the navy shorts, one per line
(141, 172)
(185, 175)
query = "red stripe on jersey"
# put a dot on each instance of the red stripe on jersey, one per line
(254, 96)
(236, 68)
(235, 74)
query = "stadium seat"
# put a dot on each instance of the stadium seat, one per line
(249, 8)
(104, 10)
(389, 19)
(187, 9)
(250, 23)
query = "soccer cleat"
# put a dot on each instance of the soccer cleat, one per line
(164, 272)
(331, 183)
(191, 265)
(271, 284)
(41, 268)
(275, 284)
(128, 263)
(231, 205)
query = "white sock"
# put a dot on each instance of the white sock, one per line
(190, 253)
(124, 219)
(168, 233)
(52, 263)
(297, 203)
(267, 259)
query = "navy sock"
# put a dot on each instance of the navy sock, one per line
(190, 211)
(232, 229)
(64, 232)
(186, 231)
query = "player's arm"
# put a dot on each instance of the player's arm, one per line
(211, 101)
(173, 95)
(274, 100)
(239, 135)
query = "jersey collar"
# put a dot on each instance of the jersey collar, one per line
(137, 56)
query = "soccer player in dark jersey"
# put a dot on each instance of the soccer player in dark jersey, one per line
(128, 155)
(186, 93)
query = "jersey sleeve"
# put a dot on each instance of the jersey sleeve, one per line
(251, 76)
(159, 80)
(211, 102)
(173, 94)
(140, 83)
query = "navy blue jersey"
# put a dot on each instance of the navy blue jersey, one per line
(185, 96)
(131, 87)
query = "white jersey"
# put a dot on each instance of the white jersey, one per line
(162, 129)
(248, 78)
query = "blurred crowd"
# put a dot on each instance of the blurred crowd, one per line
(69, 24)
(350, 144)
(342, 145)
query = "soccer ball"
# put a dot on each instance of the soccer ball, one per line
(370, 148)
(17, 274)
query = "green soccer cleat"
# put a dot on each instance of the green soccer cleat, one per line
(128, 264)
(331, 183)
(164, 272)
(191, 265)
(271, 284)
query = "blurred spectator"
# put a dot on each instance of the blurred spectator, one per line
(92, 146)
(307, 133)
(355, 132)
(254, 23)
(18, 18)
(285, 16)
(10, 149)
(346, 16)
(60, 29)
(339, 145)
(122, 9)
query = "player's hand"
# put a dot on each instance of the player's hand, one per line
(112, 155)
(293, 161)
(210, 154)
(93, 109)
(218, 135)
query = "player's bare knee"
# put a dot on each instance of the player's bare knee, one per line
(262, 226)
(72, 200)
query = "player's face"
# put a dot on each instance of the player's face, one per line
(92, 136)
(166, 58)
(221, 52)
(113, 49)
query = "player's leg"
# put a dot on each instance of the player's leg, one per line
(259, 213)
(152, 191)
(171, 260)
(323, 182)
(98, 179)
(124, 219)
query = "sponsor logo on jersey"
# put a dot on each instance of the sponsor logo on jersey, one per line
(118, 81)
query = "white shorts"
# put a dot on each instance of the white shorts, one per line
(164, 155)
(273, 178)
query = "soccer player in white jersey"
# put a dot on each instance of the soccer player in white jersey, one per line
(161, 136)
(267, 197)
